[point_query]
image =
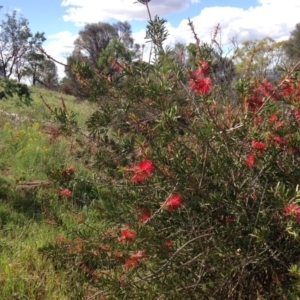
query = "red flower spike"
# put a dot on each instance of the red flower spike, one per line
(250, 160)
(287, 88)
(258, 120)
(296, 113)
(138, 255)
(173, 202)
(127, 235)
(291, 209)
(279, 124)
(268, 89)
(66, 192)
(261, 146)
(130, 263)
(169, 243)
(203, 68)
(70, 170)
(142, 170)
(201, 86)
(134, 259)
(254, 102)
(280, 140)
(145, 216)
(273, 117)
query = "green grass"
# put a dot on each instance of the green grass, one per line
(24, 272)
(39, 111)
(29, 150)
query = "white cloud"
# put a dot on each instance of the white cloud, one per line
(60, 46)
(87, 11)
(272, 18)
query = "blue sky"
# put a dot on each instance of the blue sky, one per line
(240, 20)
(48, 15)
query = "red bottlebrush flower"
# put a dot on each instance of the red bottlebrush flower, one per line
(296, 113)
(68, 171)
(261, 146)
(130, 263)
(66, 192)
(201, 71)
(197, 74)
(203, 68)
(267, 89)
(145, 216)
(169, 243)
(71, 169)
(279, 140)
(229, 219)
(291, 89)
(201, 86)
(254, 102)
(142, 170)
(250, 160)
(145, 166)
(133, 260)
(273, 117)
(279, 124)
(292, 209)
(127, 234)
(258, 120)
(138, 255)
(287, 88)
(173, 202)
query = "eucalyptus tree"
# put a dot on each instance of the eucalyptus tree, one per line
(99, 46)
(292, 45)
(40, 70)
(16, 40)
(93, 39)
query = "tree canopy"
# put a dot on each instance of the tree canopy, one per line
(292, 45)
(98, 46)
(259, 57)
(16, 41)
(93, 39)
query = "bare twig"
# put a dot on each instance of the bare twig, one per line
(170, 259)
(51, 58)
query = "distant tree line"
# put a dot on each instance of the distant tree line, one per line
(100, 45)
(103, 47)
(20, 56)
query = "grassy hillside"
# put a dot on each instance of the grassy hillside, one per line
(31, 146)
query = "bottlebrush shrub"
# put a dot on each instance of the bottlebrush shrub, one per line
(198, 194)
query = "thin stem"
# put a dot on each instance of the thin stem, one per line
(170, 259)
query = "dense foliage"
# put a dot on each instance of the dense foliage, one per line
(20, 55)
(194, 192)
(293, 43)
(195, 188)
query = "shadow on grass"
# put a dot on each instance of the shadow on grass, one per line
(27, 204)
(18, 206)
